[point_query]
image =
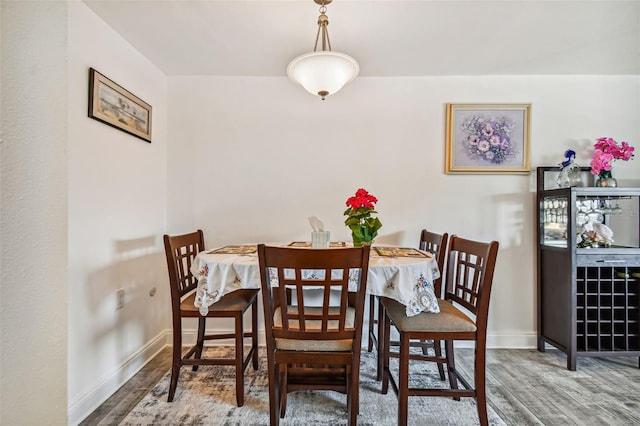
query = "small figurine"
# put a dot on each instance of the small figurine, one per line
(569, 171)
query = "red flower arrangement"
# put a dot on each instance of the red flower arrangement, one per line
(364, 228)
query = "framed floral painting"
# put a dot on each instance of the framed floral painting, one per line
(487, 138)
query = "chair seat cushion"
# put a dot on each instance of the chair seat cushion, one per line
(450, 318)
(237, 300)
(314, 345)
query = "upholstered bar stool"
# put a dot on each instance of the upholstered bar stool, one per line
(469, 278)
(180, 251)
(435, 244)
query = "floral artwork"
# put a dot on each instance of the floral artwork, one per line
(487, 138)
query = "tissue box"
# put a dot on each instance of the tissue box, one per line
(320, 239)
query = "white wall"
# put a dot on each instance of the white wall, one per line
(264, 155)
(33, 228)
(249, 159)
(117, 215)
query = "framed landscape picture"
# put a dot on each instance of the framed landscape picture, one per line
(112, 104)
(487, 138)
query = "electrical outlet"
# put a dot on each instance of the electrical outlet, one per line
(119, 298)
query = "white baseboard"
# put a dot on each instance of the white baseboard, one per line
(87, 403)
(512, 341)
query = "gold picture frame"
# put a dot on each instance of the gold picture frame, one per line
(112, 104)
(487, 138)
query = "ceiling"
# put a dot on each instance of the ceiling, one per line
(387, 37)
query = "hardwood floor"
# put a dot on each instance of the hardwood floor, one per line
(525, 387)
(114, 409)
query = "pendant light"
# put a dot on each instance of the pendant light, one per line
(323, 72)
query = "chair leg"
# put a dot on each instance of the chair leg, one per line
(382, 332)
(239, 360)
(176, 359)
(403, 380)
(480, 384)
(254, 332)
(350, 421)
(384, 346)
(202, 325)
(283, 392)
(353, 403)
(274, 391)
(372, 303)
(355, 377)
(437, 348)
(451, 365)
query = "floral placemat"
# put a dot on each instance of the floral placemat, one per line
(242, 249)
(399, 252)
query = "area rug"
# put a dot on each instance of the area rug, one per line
(206, 397)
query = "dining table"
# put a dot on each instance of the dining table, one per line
(404, 274)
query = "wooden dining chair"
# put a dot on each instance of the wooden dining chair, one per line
(313, 347)
(469, 278)
(180, 251)
(435, 244)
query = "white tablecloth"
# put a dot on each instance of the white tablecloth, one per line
(408, 280)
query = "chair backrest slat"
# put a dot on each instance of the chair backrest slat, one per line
(437, 245)
(470, 275)
(180, 251)
(330, 271)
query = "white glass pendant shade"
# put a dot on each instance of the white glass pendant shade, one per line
(323, 73)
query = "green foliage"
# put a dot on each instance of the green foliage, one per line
(364, 228)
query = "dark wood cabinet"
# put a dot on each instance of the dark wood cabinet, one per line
(588, 297)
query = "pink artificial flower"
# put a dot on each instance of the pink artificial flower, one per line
(626, 151)
(606, 151)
